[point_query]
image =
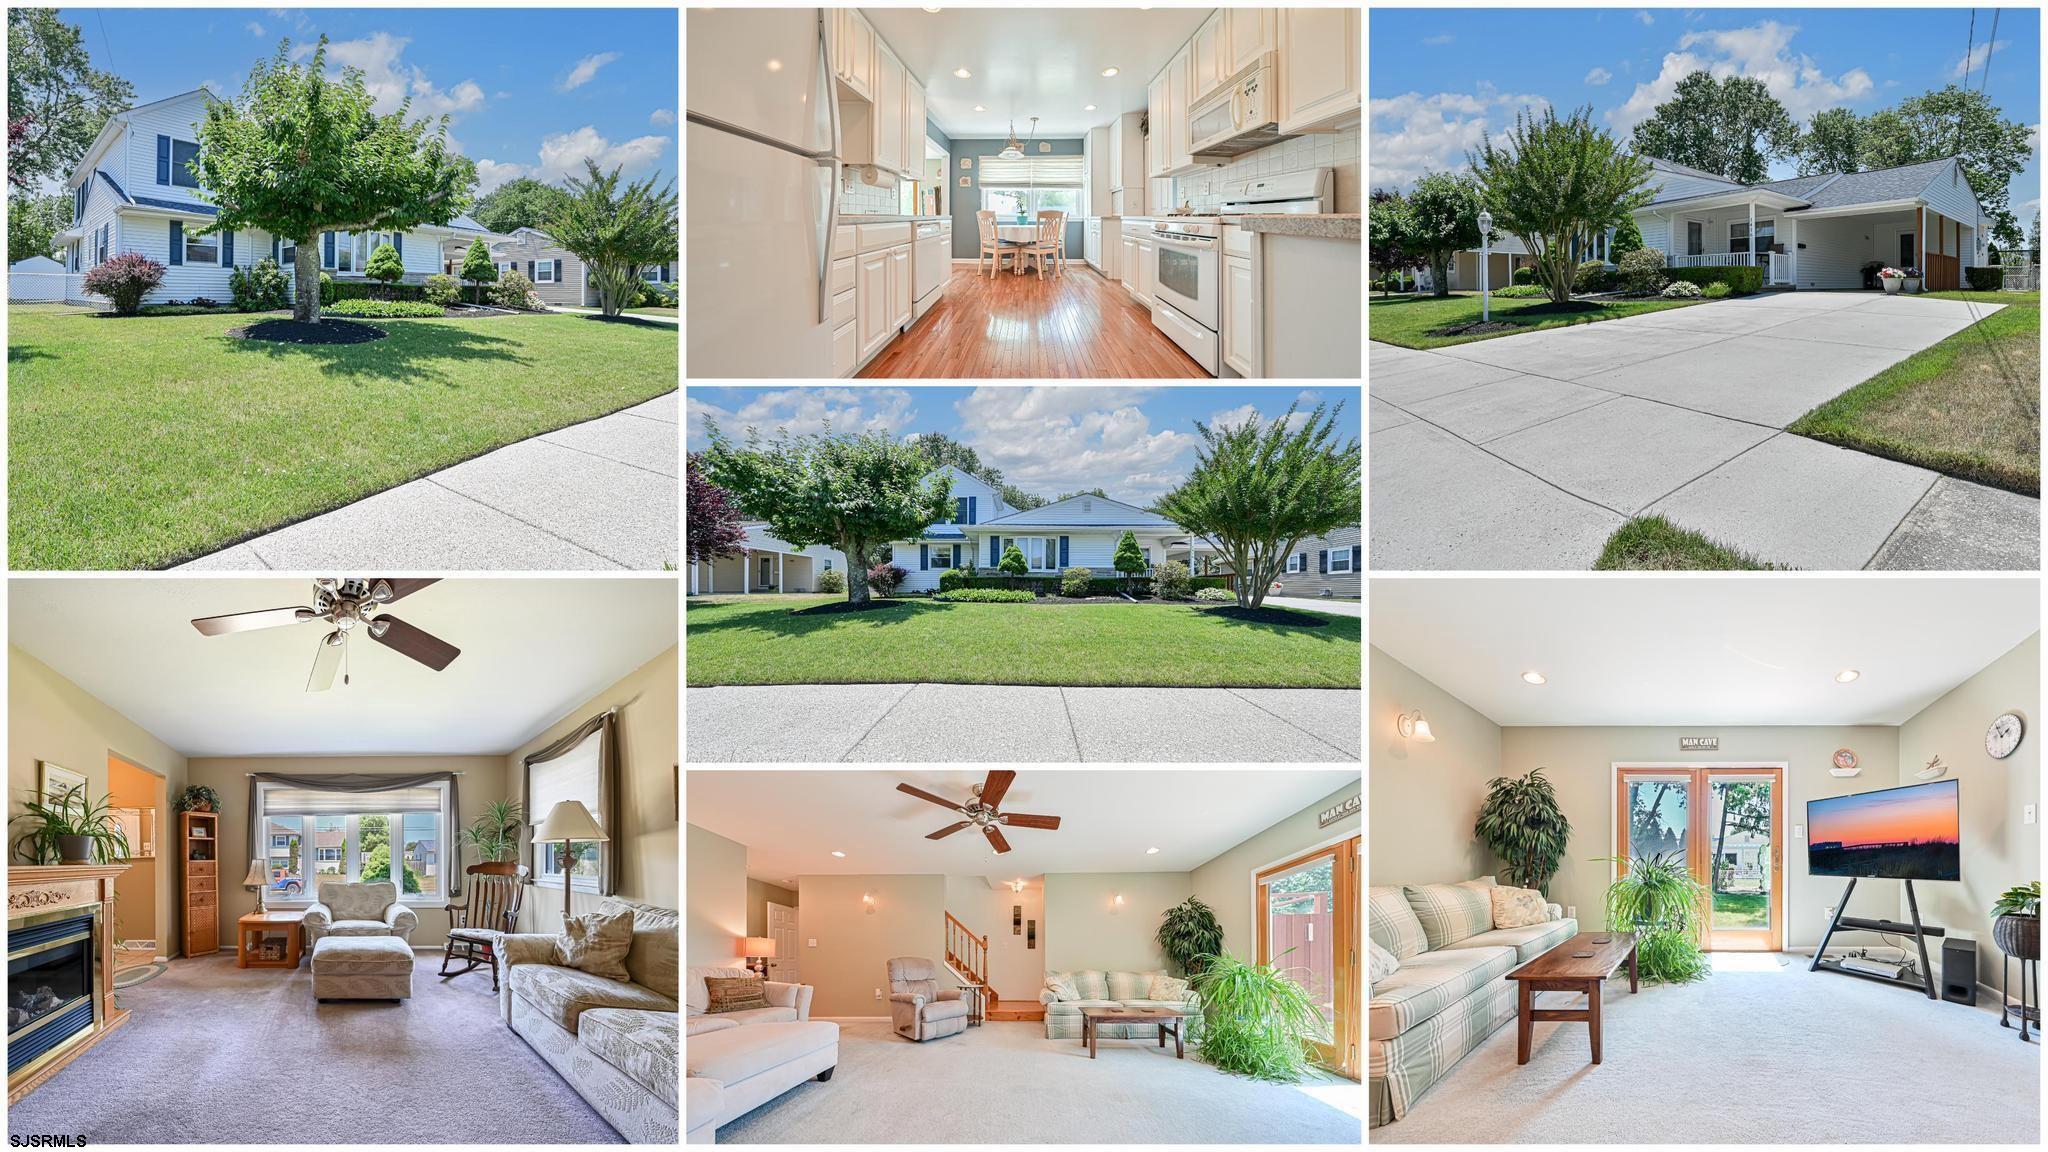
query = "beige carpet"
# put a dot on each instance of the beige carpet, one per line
(1005, 1083)
(1761, 1052)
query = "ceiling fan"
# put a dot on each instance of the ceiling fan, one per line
(353, 606)
(981, 811)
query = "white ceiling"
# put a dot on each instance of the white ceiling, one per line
(792, 821)
(1043, 62)
(1718, 650)
(531, 651)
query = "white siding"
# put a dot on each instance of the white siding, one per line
(1655, 229)
(1836, 248)
(151, 236)
(1673, 185)
(1087, 548)
(988, 503)
(101, 208)
(137, 152)
(1077, 510)
(1949, 194)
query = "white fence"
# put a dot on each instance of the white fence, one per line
(1777, 271)
(35, 287)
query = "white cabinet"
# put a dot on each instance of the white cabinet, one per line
(1145, 272)
(1251, 32)
(1319, 75)
(901, 302)
(845, 350)
(1095, 160)
(1206, 64)
(1159, 196)
(1240, 316)
(1155, 126)
(853, 51)
(1091, 244)
(872, 309)
(1127, 264)
(912, 160)
(1127, 161)
(889, 98)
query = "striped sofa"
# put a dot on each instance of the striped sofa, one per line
(1105, 990)
(1450, 991)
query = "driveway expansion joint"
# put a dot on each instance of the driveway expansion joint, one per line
(1286, 721)
(862, 738)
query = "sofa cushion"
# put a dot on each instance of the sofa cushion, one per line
(597, 942)
(1073, 1007)
(734, 994)
(1518, 907)
(1427, 984)
(701, 1024)
(1392, 922)
(769, 1015)
(346, 901)
(1129, 985)
(1383, 962)
(1449, 912)
(1063, 988)
(734, 1056)
(654, 958)
(359, 928)
(1167, 988)
(643, 1045)
(1528, 943)
(563, 994)
(1092, 983)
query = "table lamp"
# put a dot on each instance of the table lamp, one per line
(568, 822)
(259, 882)
(758, 946)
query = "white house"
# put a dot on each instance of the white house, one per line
(765, 563)
(134, 190)
(559, 275)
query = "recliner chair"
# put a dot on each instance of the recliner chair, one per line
(921, 1009)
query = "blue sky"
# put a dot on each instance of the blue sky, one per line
(1427, 109)
(529, 91)
(1133, 443)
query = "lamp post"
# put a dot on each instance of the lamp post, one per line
(1485, 259)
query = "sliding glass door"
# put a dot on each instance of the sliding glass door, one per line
(1308, 925)
(1725, 823)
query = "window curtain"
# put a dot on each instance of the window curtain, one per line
(304, 786)
(605, 725)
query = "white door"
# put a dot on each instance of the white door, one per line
(782, 930)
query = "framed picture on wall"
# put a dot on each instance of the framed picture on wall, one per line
(56, 780)
(1031, 934)
(967, 181)
(1016, 919)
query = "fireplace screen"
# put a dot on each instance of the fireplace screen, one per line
(49, 969)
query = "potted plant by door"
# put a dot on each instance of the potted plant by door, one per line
(1912, 280)
(72, 830)
(198, 798)
(1892, 279)
(1659, 900)
(494, 835)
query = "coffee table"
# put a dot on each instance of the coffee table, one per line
(1167, 1019)
(251, 928)
(1563, 969)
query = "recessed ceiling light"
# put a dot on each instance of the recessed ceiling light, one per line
(1089, 108)
(838, 853)
(1846, 675)
(979, 108)
(1151, 851)
(931, 9)
(1109, 71)
(1533, 676)
(962, 73)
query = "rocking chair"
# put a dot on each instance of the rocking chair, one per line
(495, 891)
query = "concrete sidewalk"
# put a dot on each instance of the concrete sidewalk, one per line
(597, 495)
(1312, 604)
(809, 723)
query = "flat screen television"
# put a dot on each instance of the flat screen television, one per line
(1910, 833)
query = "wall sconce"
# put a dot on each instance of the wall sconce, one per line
(1116, 902)
(867, 900)
(1016, 885)
(1412, 726)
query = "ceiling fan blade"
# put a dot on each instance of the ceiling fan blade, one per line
(250, 621)
(921, 794)
(325, 662)
(1026, 820)
(995, 837)
(407, 640)
(948, 830)
(997, 786)
(395, 589)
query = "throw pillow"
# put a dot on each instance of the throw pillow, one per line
(1518, 907)
(1168, 988)
(1063, 989)
(1393, 923)
(1480, 882)
(1383, 962)
(597, 943)
(1449, 912)
(734, 993)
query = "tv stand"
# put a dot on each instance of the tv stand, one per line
(1918, 931)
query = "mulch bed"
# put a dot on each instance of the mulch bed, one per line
(1269, 616)
(325, 332)
(1475, 329)
(837, 606)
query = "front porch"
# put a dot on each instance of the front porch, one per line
(755, 570)
(1838, 249)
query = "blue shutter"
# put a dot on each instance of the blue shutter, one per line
(959, 509)
(177, 238)
(398, 244)
(1354, 557)
(971, 512)
(1063, 551)
(924, 557)
(276, 251)
(327, 250)
(995, 550)
(529, 270)
(227, 249)
(1323, 561)
(163, 159)
(956, 555)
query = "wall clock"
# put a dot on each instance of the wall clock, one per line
(2004, 735)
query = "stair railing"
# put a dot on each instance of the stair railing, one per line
(967, 954)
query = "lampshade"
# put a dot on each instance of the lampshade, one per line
(757, 946)
(569, 820)
(255, 879)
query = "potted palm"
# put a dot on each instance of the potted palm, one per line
(1189, 935)
(1657, 898)
(494, 835)
(1521, 822)
(72, 830)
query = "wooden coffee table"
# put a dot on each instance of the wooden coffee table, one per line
(1168, 1021)
(251, 928)
(1563, 969)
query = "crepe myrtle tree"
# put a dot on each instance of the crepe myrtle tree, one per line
(478, 269)
(1557, 181)
(1258, 489)
(616, 233)
(1439, 220)
(301, 153)
(855, 493)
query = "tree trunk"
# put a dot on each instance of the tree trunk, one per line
(1720, 838)
(306, 280)
(856, 580)
(1440, 270)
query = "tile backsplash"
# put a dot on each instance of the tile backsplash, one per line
(1336, 151)
(858, 199)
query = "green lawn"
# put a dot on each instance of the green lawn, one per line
(1969, 406)
(651, 311)
(1741, 910)
(143, 442)
(1409, 320)
(1654, 544)
(752, 640)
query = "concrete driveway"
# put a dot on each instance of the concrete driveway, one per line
(1528, 451)
(1317, 604)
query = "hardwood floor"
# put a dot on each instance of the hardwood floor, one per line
(1015, 1009)
(1074, 325)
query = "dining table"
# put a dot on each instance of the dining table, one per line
(1017, 234)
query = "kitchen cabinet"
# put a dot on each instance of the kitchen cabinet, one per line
(1127, 161)
(1155, 126)
(1251, 32)
(872, 310)
(1095, 162)
(900, 299)
(853, 51)
(1240, 316)
(1127, 265)
(845, 350)
(912, 160)
(1145, 272)
(1206, 64)
(889, 101)
(1179, 160)
(1319, 74)
(1091, 244)
(1159, 196)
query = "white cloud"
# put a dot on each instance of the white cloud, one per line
(1439, 39)
(1413, 134)
(1645, 17)
(254, 28)
(391, 80)
(585, 70)
(1975, 59)
(1599, 76)
(563, 153)
(662, 118)
(1053, 440)
(1762, 52)
(804, 410)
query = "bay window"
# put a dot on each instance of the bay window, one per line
(400, 834)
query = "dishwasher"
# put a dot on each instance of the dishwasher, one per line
(933, 265)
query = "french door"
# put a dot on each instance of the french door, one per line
(1726, 822)
(1308, 925)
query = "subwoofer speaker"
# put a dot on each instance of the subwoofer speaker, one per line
(1959, 970)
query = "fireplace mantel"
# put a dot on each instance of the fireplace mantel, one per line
(34, 889)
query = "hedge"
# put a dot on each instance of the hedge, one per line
(1985, 279)
(356, 290)
(986, 596)
(1222, 582)
(1050, 585)
(1741, 281)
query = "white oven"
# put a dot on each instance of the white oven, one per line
(1187, 285)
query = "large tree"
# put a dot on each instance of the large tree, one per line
(1833, 143)
(942, 449)
(55, 97)
(521, 203)
(712, 521)
(1732, 127)
(1387, 233)
(1258, 489)
(300, 154)
(616, 233)
(1556, 182)
(33, 223)
(1955, 122)
(854, 493)
(1440, 220)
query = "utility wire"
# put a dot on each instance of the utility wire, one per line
(1988, 50)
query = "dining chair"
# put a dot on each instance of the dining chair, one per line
(1051, 241)
(992, 244)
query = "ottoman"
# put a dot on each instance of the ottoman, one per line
(362, 968)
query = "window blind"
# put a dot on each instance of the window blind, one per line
(1033, 171)
(286, 801)
(570, 776)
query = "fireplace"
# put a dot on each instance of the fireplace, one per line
(53, 990)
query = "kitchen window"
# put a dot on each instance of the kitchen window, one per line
(1033, 184)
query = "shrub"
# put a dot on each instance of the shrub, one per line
(885, 578)
(1215, 596)
(384, 308)
(987, 596)
(513, 290)
(1074, 582)
(327, 290)
(1524, 275)
(125, 280)
(1717, 290)
(1594, 276)
(385, 265)
(179, 310)
(206, 302)
(1985, 279)
(1521, 291)
(1212, 582)
(260, 287)
(1681, 290)
(832, 580)
(1172, 580)
(441, 289)
(652, 295)
(1642, 271)
(954, 578)
(478, 269)
(1740, 281)
(1013, 561)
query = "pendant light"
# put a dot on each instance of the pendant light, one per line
(1013, 150)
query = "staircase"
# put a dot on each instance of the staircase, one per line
(967, 956)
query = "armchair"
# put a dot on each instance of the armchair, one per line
(920, 1009)
(371, 909)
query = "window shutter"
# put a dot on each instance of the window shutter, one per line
(1063, 551)
(971, 513)
(1354, 557)
(529, 269)
(163, 159)
(1323, 561)
(995, 550)
(177, 236)
(960, 510)
(557, 262)
(227, 249)
(398, 244)
(924, 557)
(956, 555)
(327, 250)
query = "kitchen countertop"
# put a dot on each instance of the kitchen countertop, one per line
(866, 218)
(1328, 226)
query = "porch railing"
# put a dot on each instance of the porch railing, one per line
(1777, 266)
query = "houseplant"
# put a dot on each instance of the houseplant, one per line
(1657, 898)
(1256, 1020)
(72, 830)
(1521, 822)
(494, 834)
(1189, 934)
(2016, 921)
(198, 798)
